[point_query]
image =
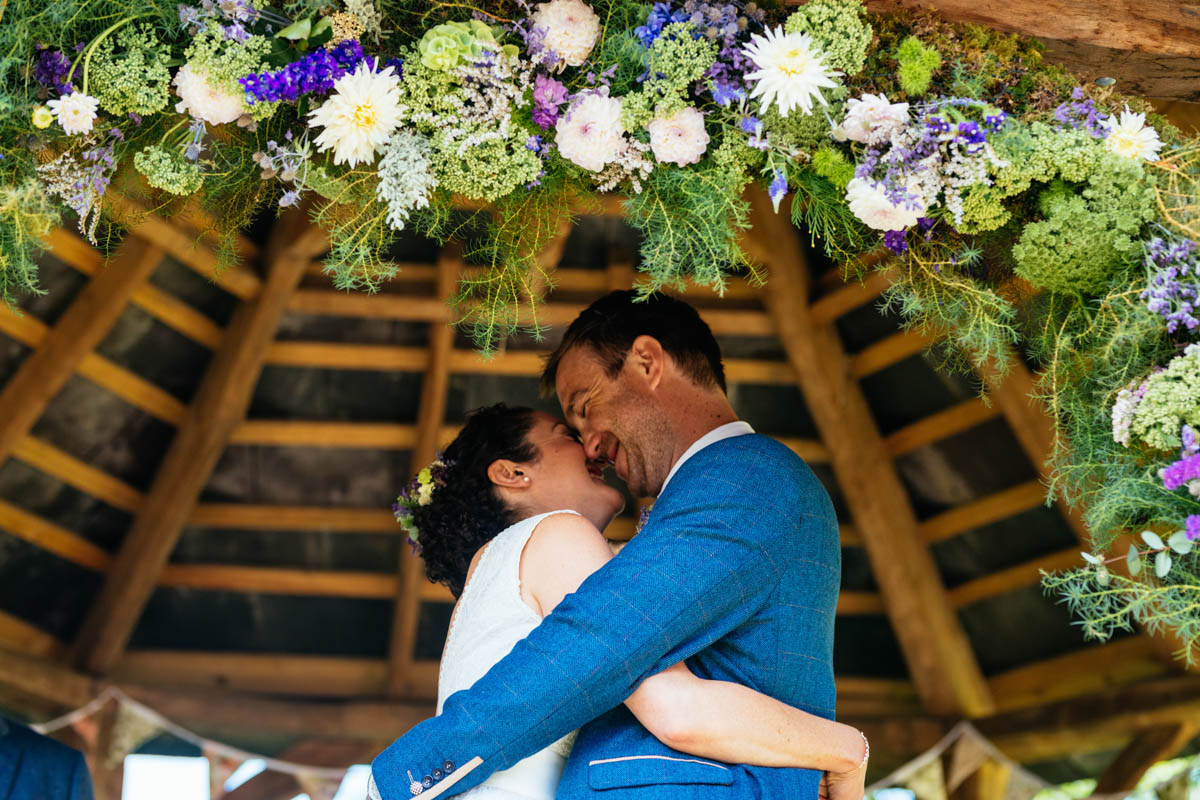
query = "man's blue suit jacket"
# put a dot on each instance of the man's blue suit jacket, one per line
(35, 767)
(737, 571)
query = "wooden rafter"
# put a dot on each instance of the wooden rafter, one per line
(431, 416)
(77, 333)
(218, 408)
(1147, 748)
(940, 660)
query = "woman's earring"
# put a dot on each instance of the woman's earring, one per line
(527, 479)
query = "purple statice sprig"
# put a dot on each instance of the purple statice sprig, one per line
(51, 69)
(315, 73)
(1173, 281)
(1080, 113)
(896, 241)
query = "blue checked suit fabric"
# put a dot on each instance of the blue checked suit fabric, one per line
(737, 571)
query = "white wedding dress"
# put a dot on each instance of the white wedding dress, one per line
(488, 620)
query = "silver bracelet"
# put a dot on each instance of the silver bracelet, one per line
(866, 751)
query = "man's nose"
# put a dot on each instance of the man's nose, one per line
(593, 446)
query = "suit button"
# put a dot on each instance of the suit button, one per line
(437, 774)
(427, 782)
(448, 766)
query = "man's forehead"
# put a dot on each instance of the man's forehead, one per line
(578, 372)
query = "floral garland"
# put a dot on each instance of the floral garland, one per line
(1017, 208)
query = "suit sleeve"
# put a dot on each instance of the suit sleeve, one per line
(699, 569)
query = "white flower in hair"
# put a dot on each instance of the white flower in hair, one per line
(791, 71)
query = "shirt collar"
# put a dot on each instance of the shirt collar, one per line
(726, 431)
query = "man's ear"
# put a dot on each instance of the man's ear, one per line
(508, 474)
(647, 359)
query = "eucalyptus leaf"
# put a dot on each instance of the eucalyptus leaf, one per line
(1162, 564)
(1102, 576)
(1134, 561)
(1180, 543)
(297, 31)
(1091, 559)
(1152, 539)
(323, 24)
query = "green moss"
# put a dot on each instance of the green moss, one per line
(833, 166)
(917, 63)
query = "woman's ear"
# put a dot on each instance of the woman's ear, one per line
(508, 474)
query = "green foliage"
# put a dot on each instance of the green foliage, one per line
(1172, 399)
(805, 133)
(223, 64)
(26, 215)
(674, 62)
(818, 207)
(917, 63)
(838, 28)
(446, 46)
(129, 72)
(165, 168)
(833, 166)
(488, 170)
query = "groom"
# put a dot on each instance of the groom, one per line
(737, 571)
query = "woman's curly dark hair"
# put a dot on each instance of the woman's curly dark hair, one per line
(467, 513)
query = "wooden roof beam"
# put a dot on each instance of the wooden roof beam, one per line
(1147, 748)
(939, 656)
(78, 332)
(218, 408)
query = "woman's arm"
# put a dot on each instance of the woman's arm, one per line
(712, 719)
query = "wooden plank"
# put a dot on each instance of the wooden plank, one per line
(19, 636)
(89, 318)
(859, 604)
(850, 296)
(1147, 748)
(46, 680)
(298, 518)
(133, 389)
(304, 433)
(1013, 578)
(985, 511)
(1150, 75)
(52, 538)
(49, 459)
(380, 357)
(219, 407)
(888, 351)
(279, 580)
(942, 425)
(811, 450)
(989, 782)
(1084, 671)
(939, 656)
(1162, 27)
(25, 328)
(431, 416)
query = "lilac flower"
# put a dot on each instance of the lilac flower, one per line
(925, 224)
(548, 95)
(778, 189)
(937, 125)
(1191, 446)
(995, 122)
(1173, 285)
(1181, 473)
(1193, 527)
(750, 124)
(1080, 115)
(895, 241)
(236, 33)
(316, 73)
(51, 71)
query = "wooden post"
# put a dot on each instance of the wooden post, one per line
(218, 408)
(430, 417)
(935, 646)
(81, 328)
(1146, 749)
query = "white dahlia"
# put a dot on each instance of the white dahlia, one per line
(871, 119)
(680, 138)
(590, 134)
(869, 203)
(571, 29)
(791, 70)
(75, 112)
(360, 115)
(1131, 137)
(204, 99)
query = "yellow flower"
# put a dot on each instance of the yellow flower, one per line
(42, 117)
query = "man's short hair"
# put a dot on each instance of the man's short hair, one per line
(609, 326)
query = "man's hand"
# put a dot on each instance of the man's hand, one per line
(850, 785)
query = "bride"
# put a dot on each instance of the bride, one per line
(510, 520)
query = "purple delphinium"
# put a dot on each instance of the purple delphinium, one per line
(660, 16)
(1181, 473)
(1081, 114)
(1193, 527)
(316, 73)
(725, 94)
(778, 188)
(1173, 284)
(895, 241)
(51, 69)
(548, 95)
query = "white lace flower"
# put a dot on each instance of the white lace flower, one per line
(680, 138)
(869, 203)
(75, 112)
(360, 115)
(571, 29)
(791, 71)
(1131, 137)
(590, 134)
(871, 119)
(205, 100)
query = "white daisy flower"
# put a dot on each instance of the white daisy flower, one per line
(791, 71)
(1131, 137)
(75, 112)
(359, 117)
